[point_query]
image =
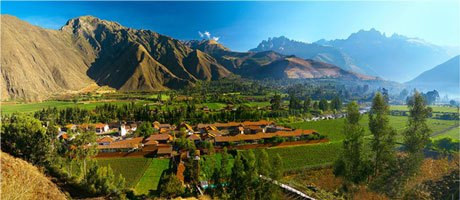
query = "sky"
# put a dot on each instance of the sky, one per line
(243, 25)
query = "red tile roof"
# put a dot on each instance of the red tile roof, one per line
(124, 144)
(159, 137)
(105, 139)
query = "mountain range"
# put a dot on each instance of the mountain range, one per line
(39, 63)
(443, 77)
(397, 58)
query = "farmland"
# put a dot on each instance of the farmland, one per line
(435, 108)
(8, 108)
(132, 169)
(151, 177)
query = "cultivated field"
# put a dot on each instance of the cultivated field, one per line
(132, 169)
(151, 176)
(435, 108)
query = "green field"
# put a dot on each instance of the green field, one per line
(257, 104)
(333, 128)
(215, 106)
(453, 133)
(151, 176)
(132, 169)
(435, 108)
(300, 157)
(32, 107)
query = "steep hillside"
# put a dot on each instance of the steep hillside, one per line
(397, 57)
(168, 58)
(21, 180)
(444, 77)
(37, 62)
(313, 51)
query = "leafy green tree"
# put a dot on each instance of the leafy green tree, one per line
(351, 165)
(307, 104)
(336, 103)
(417, 134)
(383, 140)
(145, 129)
(238, 183)
(323, 105)
(276, 102)
(24, 136)
(171, 186)
(102, 180)
(83, 148)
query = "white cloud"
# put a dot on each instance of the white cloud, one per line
(208, 35)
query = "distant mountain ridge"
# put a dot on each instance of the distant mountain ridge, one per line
(396, 58)
(443, 77)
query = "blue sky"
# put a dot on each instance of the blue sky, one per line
(242, 25)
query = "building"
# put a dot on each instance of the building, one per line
(126, 145)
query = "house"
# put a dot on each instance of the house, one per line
(188, 129)
(255, 138)
(69, 127)
(162, 138)
(125, 145)
(104, 140)
(165, 152)
(101, 128)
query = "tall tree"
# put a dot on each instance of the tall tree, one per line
(237, 183)
(336, 103)
(323, 105)
(307, 104)
(276, 102)
(383, 140)
(417, 134)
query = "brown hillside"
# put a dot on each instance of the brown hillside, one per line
(37, 62)
(21, 180)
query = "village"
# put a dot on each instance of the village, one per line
(119, 140)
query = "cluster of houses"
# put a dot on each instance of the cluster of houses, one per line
(118, 137)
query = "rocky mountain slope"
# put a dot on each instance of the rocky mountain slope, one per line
(38, 62)
(443, 77)
(21, 180)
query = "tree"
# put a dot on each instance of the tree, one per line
(145, 129)
(323, 105)
(383, 140)
(351, 165)
(431, 97)
(83, 147)
(171, 186)
(403, 94)
(307, 104)
(102, 180)
(277, 167)
(417, 133)
(237, 183)
(336, 103)
(24, 136)
(276, 102)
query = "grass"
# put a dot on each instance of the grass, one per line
(435, 108)
(215, 106)
(151, 176)
(32, 107)
(132, 169)
(257, 104)
(305, 156)
(333, 128)
(453, 133)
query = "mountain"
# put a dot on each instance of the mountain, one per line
(443, 77)
(21, 180)
(397, 57)
(292, 67)
(312, 51)
(38, 63)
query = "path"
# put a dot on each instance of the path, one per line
(297, 193)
